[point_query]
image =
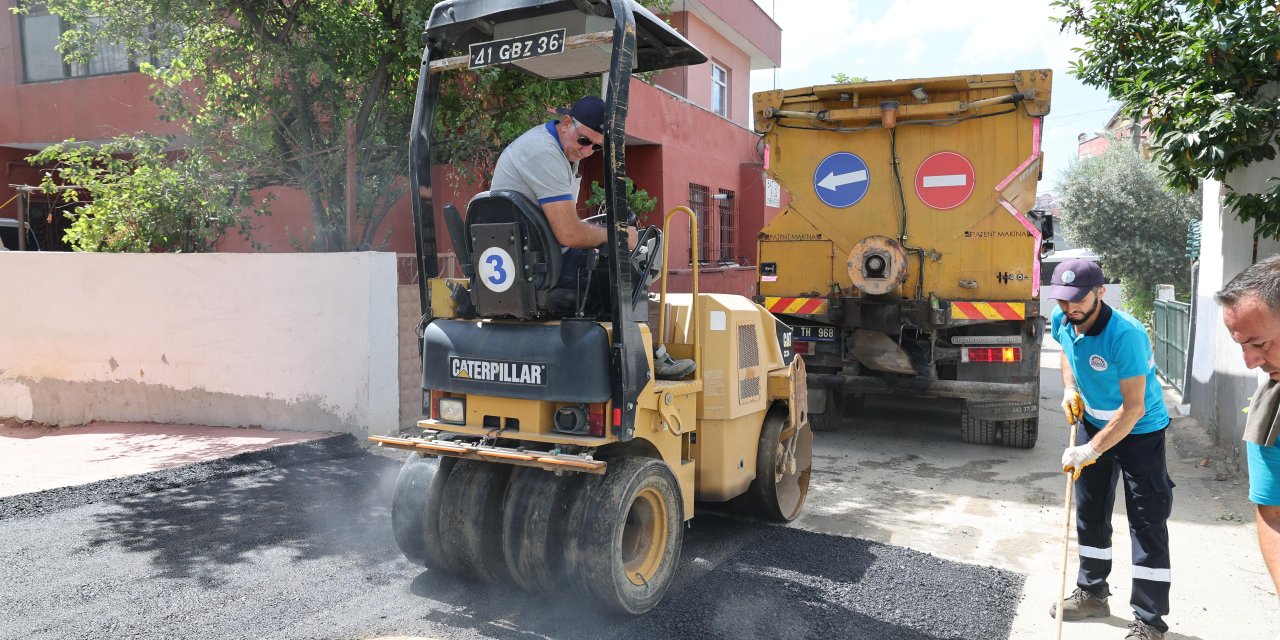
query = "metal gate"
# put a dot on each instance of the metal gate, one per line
(1172, 324)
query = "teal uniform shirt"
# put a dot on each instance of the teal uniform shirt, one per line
(1115, 347)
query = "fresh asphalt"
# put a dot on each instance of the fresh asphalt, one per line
(295, 542)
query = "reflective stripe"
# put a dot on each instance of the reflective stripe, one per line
(1095, 553)
(1147, 573)
(1100, 414)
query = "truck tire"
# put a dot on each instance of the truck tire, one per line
(471, 508)
(775, 494)
(625, 531)
(415, 509)
(829, 421)
(1020, 434)
(975, 430)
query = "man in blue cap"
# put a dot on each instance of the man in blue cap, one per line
(542, 165)
(1108, 372)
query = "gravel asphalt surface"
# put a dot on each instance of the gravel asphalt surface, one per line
(295, 542)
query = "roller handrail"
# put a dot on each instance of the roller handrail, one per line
(662, 296)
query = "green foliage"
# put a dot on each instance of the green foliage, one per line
(844, 78)
(1117, 205)
(638, 200)
(144, 199)
(1203, 71)
(265, 92)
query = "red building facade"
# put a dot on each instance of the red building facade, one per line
(689, 137)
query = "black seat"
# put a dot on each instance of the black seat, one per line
(513, 255)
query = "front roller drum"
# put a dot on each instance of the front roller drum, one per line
(784, 462)
(625, 531)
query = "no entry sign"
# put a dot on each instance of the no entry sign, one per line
(944, 180)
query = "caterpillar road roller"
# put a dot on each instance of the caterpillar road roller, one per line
(552, 457)
(907, 262)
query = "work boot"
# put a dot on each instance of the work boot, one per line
(1081, 605)
(668, 368)
(1139, 630)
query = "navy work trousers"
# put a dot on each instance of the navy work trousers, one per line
(1148, 497)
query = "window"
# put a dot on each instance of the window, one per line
(699, 203)
(719, 90)
(727, 206)
(42, 61)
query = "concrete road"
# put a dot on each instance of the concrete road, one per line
(897, 473)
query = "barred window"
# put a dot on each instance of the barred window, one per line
(700, 203)
(728, 205)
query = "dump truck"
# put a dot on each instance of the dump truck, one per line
(907, 261)
(551, 456)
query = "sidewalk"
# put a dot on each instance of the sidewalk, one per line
(38, 458)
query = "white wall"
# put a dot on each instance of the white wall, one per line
(1218, 384)
(285, 341)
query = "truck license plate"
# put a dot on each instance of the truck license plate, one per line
(507, 50)
(814, 333)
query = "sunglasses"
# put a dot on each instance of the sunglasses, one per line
(584, 141)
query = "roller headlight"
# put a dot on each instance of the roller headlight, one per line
(453, 410)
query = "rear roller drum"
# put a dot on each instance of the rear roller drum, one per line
(625, 531)
(534, 514)
(784, 461)
(472, 509)
(415, 509)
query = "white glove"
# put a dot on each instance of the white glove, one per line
(1072, 405)
(1075, 459)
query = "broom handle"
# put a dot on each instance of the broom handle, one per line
(1066, 536)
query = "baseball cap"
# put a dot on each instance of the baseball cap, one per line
(1074, 279)
(588, 111)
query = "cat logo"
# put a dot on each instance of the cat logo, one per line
(522, 373)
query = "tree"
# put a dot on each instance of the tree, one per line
(268, 92)
(844, 78)
(144, 198)
(1117, 205)
(1204, 71)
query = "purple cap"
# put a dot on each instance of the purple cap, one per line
(588, 111)
(1074, 279)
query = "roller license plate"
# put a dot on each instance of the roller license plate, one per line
(507, 50)
(814, 333)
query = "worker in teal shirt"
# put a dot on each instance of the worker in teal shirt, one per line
(1108, 371)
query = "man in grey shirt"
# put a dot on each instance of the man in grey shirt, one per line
(542, 165)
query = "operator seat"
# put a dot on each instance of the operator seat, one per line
(515, 258)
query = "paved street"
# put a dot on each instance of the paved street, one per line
(908, 534)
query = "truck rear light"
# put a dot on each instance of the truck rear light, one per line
(801, 346)
(991, 354)
(595, 419)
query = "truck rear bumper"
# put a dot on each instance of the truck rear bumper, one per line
(980, 391)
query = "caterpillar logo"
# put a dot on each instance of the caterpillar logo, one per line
(498, 371)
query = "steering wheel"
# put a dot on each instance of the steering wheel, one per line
(645, 259)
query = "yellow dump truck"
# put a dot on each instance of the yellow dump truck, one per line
(908, 259)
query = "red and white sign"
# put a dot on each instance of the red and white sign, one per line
(944, 180)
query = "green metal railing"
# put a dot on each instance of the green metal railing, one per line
(1172, 325)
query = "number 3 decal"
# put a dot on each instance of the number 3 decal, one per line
(498, 275)
(494, 270)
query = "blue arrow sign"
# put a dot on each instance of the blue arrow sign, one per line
(841, 179)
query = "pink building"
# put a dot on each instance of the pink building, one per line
(689, 137)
